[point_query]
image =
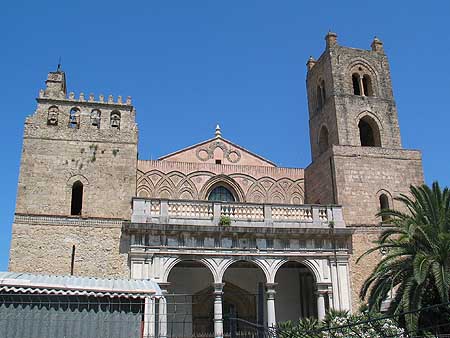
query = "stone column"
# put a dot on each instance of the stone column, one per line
(270, 291)
(162, 323)
(218, 319)
(149, 317)
(320, 305)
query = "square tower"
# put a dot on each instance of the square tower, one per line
(357, 157)
(77, 178)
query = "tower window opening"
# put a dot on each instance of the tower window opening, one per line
(77, 199)
(221, 194)
(367, 85)
(356, 87)
(74, 118)
(323, 139)
(319, 98)
(384, 205)
(115, 119)
(52, 119)
(95, 118)
(321, 95)
(368, 132)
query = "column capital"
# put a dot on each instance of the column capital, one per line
(271, 286)
(218, 288)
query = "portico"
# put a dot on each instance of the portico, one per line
(262, 272)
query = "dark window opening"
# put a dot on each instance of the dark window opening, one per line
(323, 139)
(356, 88)
(221, 194)
(77, 199)
(72, 261)
(95, 118)
(74, 118)
(384, 204)
(367, 85)
(368, 133)
(115, 119)
(322, 92)
(218, 161)
(319, 98)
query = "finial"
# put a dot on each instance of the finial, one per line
(377, 45)
(311, 62)
(58, 69)
(218, 132)
(331, 39)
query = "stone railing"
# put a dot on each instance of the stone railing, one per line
(206, 213)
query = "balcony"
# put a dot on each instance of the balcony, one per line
(207, 213)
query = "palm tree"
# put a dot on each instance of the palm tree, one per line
(417, 261)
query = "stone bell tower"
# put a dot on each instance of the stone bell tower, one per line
(77, 178)
(357, 157)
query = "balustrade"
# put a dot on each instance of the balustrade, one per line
(241, 214)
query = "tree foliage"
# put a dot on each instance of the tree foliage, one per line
(416, 267)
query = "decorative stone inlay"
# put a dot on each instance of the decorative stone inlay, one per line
(207, 153)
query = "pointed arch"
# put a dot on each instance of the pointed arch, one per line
(227, 182)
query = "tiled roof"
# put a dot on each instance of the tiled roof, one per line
(72, 285)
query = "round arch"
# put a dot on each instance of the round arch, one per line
(296, 287)
(172, 264)
(256, 263)
(370, 129)
(323, 139)
(227, 182)
(312, 267)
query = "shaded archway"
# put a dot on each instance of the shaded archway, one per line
(323, 139)
(296, 292)
(244, 295)
(190, 299)
(369, 133)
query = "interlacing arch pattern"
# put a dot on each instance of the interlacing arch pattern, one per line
(197, 185)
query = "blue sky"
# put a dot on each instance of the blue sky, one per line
(191, 64)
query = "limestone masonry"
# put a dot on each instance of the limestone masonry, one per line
(87, 205)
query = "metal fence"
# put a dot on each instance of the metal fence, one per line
(57, 316)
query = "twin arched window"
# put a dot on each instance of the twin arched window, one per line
(362, 84)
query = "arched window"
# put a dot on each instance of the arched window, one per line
(52, 118)
(384, 204)
(356, 84)
(367, 85)
(322, 92)
(95, 118)
(77, 199)
(321, 95)
(74, 118)
(368, 132)
(221, 194)
(115, 119)
(319, 98)
(323, 139)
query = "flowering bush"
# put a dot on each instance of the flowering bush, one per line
(342, 325)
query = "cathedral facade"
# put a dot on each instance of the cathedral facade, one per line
(232, 230)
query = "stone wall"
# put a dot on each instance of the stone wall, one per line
(362, 240)
(44, 245)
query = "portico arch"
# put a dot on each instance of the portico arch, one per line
(296, 287)
(187, 281)
(244, 293)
